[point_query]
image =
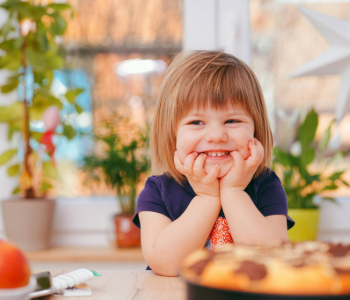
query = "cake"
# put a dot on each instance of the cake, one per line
(305, 269)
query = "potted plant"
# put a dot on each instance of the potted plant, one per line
(30, 54)
(300, 182)
(122, 164)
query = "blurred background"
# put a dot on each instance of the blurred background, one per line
(116, 53)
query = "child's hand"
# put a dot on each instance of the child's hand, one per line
(193, 168)
(242, 171)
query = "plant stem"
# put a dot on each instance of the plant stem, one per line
(29, 192)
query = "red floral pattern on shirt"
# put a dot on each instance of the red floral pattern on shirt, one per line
(219, 235)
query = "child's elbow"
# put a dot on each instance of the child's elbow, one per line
(166, 273)
(164, 270)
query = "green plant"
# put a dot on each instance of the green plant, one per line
(30, 53)
(122, 162)
(302, 185)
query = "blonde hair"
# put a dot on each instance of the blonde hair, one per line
(195, 80)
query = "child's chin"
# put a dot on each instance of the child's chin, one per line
(223, 170)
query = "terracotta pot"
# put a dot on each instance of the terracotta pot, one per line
(128, 234)
(28, 222)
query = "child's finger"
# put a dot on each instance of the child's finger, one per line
(213, 173)
(237, 157)
(178, 164)
(256, 154)
(188, 163)
(198, 166)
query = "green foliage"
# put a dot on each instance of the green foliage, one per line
(28, 46)
(122, 164)
(300, 185)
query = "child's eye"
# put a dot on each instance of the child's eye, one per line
(234, 121)
(196, 122)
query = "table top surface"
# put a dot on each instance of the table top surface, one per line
(129, 284)
(74, 254)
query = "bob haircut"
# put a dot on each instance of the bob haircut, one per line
(195, 80)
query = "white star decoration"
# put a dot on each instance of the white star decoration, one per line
(336, 60)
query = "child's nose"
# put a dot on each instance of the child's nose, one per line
(216, 135)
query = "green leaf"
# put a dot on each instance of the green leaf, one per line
(78, 109)
(54, 101)
(36, 111)
(6, 156)
(68, 131)
(17, 190)
(9, 87)
(308, 129)
(344, 182)
(13, 170)
(24, 9)
(59, 26)
(36, 135)
(335, 175)
(325, 138)
(49, 169)
(307, 156)
(12, 129)
(11, 113)
(54, 61)
(329, 187)
(59, 6)
(72, 94)
(45, 186)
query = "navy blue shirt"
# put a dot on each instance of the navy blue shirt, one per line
(162, 194)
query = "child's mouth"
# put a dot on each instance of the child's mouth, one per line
(218, 157)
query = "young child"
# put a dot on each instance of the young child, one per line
(212, 139)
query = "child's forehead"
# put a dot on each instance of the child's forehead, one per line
(227, 109)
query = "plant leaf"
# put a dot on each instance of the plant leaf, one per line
(325, 138)
(59, 6)
(78, 109)
(72, 94)
(45, 186)
(68, 131)
(335, 175)
(17, 190)
(6, 156)
(49, 169)
(307, 156)
(329, 187)
(9, 87)
(13, 170)
(307, 130)
(344, 182)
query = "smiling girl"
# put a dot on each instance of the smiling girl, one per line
(212, 141)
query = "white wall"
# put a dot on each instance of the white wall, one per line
(213, 24)
(6, 184)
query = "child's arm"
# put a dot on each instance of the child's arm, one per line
(165, 243)
(247, 224)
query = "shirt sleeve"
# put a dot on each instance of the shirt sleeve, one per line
(150, 199)
(272, 198)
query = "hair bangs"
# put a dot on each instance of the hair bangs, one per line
(215, 88)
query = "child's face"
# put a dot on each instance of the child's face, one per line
(228, 130)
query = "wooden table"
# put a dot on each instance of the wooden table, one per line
(74, 254)
(126, 284)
